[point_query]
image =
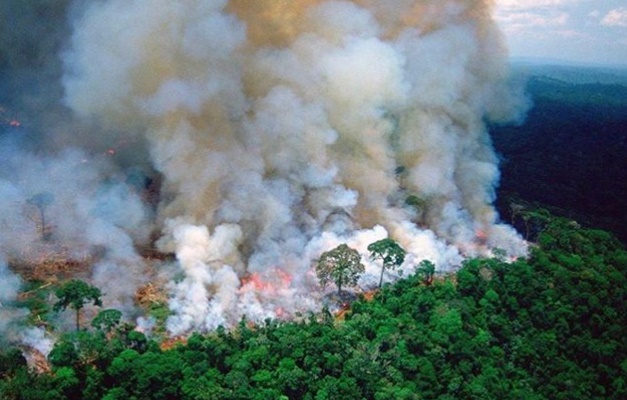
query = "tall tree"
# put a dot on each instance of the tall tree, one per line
(390, 252)
(41, 201)
(75, 294)
(341, 265)
(426, 270)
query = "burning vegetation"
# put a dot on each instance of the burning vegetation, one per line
(200, 162)
(238, 183)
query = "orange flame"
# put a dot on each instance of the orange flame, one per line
(278, 279)
(481, 236)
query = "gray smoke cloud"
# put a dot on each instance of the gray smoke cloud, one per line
(72, 213)
(13, 328)
(10, 285)
(279, 129)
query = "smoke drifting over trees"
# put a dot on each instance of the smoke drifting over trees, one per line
(277, 130)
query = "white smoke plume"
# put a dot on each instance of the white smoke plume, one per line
(13, 327)
(281, 129)
(70, 213)
(10, 285)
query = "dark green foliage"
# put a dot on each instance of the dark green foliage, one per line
(550, 327)
(418, 204)
(106, 320)
(426, 270)
(160, 312)
(341, 265)
(75, 294)
(34, 297)
(10, 362)
(569, 154)
(391, 254)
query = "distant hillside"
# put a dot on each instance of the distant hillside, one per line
(570, 153)
(572, 74)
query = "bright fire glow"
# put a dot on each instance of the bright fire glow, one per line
(272, 281)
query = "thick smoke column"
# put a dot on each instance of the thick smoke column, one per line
(284, 127)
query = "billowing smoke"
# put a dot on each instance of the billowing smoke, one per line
(9, 287)
(13, 317)
(281, 129)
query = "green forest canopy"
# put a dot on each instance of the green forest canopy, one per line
(550, 327)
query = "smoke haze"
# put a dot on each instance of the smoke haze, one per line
(276, 129)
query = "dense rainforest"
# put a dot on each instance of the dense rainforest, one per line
(552, 326)
(570, 153)
(549, 327)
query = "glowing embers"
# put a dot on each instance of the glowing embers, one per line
(7, 119)
(475, 243)
(269, 282)
(481, 237)
(273, 288)
(486, 243)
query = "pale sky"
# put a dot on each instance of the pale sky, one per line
(583, 31)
